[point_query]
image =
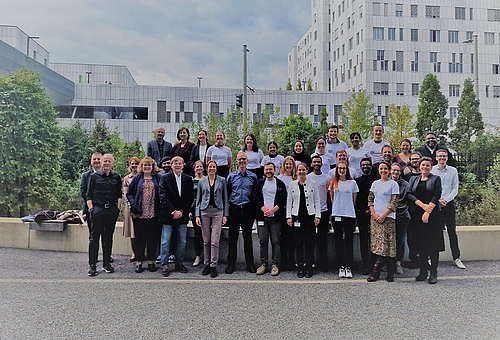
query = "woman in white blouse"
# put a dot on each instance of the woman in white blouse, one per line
(254, 155)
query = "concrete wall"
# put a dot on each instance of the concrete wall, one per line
(476, 243)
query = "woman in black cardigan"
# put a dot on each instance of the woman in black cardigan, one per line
(425, 191)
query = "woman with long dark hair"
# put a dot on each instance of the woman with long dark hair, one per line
(199, 152)
(299, 154)
(254, 154)
(183, 148)
(221, 154)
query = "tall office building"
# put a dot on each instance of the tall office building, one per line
(388, 47)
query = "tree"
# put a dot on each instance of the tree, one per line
(357, 115)
(30, 144)
(431, 116)
(299, 85)
(469, 125)
(309, 85)
(289, 85)
(128, 150)
(77, 152)
(401, 125)
(296, 128)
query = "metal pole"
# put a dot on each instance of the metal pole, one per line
(199, 81)
(245, 50)
(476, 67)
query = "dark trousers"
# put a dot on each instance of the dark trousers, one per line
(198, 238)
(103, 227)
(411, 240)
(146, 235)
(269, 227)
(344, 234)
(304, 240)
(401, 228)
(223, 171)
(240, 216)
(287, 246)
(321, 238)
(448, 218)
(363, 221)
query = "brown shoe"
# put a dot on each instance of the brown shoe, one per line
(261, 270)
(275, 270)
(165, 271)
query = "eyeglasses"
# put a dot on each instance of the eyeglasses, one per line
(134, 163)
(241, 159)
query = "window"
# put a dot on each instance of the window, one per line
(381, 89)
(386, 9)
(496, 91)
(414, 63)
(348, 22)
(453, 115)
(378, 33)
(311, 110)
(336, 112)
(400, 34)
(197, 111)
(489, 38)
(454, 90)
(399, 10)
(470, 13)
(161, 111)
(432, 12)
(315, 35)
(398, 64)
(357, 39)
(314, 71)
(350, 44)
(294, 109)
(436, 64)
(414, 34)
(435, 35)
(214, 107)
(177, 117)
(414, 89)
(456, 65)
(381, 58)
(469, 35)
(391, 34)
(493, 14)
(188, 117)
(414, 11)
(181, 106)
(453, 37)
(487, 89)
(460, 13)
(400, 89)
(376, 8)
(472, 63)
(495, 68)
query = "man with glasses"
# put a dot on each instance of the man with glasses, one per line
(414, 166)
(240, 185)
(431, 146)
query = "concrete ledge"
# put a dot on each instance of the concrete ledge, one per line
(476, 242)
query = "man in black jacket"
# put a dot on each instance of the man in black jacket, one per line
(431, 146)
(269, 195)
(95, 161)
(176, 197)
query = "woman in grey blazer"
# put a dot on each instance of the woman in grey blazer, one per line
(303, 214)
(212, 210)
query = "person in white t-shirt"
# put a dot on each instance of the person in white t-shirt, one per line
(383, 201)
(327, 159)
(254, 155)
(356, 153)
(343, 190)
(374, 146)
(221, 154)
(273, 156)
(341, 156)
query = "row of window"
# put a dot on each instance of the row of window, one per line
(431, 11)
(454, 66)
(434, 35)
(382, 89)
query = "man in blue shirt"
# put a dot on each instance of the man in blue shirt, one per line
(240, 185)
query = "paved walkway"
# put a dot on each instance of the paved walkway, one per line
(47, 295)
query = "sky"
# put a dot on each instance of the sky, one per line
(169, 42)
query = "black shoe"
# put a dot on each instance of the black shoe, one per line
(251, 269)
(422, 276)
(139, 269)
(92, 270)
(206, 270)
(300, 273)
(433, 279)
(213, 272)
(229, 269)
(108, 269)
(365, 270)
(181, 268)
(132, 259)
(111, 260)
(309, 273)
(152, 268)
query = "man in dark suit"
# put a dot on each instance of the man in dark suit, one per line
(431, 146)
(159, 148)
(95, 161)
(176, 197)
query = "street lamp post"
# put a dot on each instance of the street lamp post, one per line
(476, 63)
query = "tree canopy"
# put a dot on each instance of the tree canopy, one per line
(431, 116)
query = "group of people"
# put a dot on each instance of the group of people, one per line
(292, 201)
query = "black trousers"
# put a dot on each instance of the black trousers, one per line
(363, 221)
(304, 239)
(287, 246)
(103, 227)
(240, 216)
(448, 218)
(198, 239)
(344, 234)
(321, 238)
(146, 236)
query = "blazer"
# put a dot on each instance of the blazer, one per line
(313, 202)
(171, 201)
(433, 186)
(153, 151)
(134, 194)
(220, 195)
(425, 152)
(279, 199)
(195, 155)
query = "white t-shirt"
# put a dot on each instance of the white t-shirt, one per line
(202, 151)
(332, 148)
(286, 179)
(322, 182)
(269, 192)
(277, 161)
(219, 155)
(355, 157)
(383, 192)
(353, 172)
(375, 150)
(342, 199)
(328, 161)
(254, 159)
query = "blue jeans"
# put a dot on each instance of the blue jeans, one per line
(166, 234)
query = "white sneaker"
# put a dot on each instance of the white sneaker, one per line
(171, 259)
(459, 263)
(348, 272)
(341, 271)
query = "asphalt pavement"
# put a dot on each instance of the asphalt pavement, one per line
(48, 295)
